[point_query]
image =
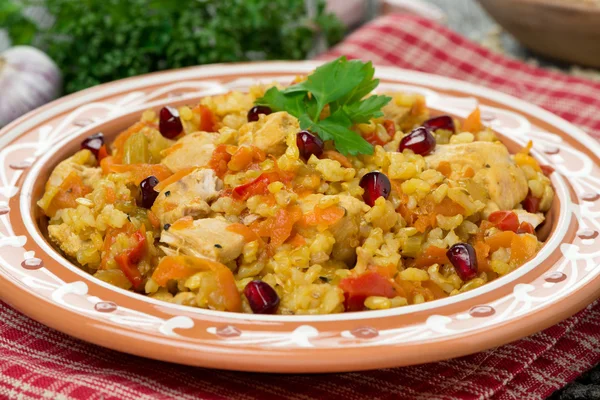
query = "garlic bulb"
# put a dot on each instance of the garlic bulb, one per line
(28, 79)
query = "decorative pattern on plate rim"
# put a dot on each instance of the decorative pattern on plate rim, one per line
(579, 263)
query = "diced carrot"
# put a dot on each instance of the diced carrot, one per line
(323, 216)
(436, 291)
(139, 172)
(111, 196)
(423, 222)
(432, 255)
(473, 122)
(468, 172)
(219, 159)
(106, 164)
(522, 248)
(445, 168)
(282, 224)
(373, 138)
(183, 223)
(297, 240)
(207, 118)
(500, 239)
(174, 178)
(448, 208)
(387, 271)
(241, 229)
(482, 251)
(154, 221)
(244, 157)
(334, 155)
(71, 188)
(258, 185)
(181, 267)
(358, 288)
(390, 127)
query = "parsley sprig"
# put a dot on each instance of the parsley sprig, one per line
(341, 84)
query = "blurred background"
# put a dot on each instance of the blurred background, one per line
(89, 42)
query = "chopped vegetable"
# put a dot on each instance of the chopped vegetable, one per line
(358, 288)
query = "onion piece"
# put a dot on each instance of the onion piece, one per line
(28, 79)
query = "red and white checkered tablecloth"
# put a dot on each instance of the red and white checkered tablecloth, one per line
(37, 362)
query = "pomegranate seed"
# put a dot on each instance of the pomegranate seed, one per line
(309, 144)
(148, 192)
(462, 256)
(420, 141)
(375, 185)
(442, 122)
(263, 299)
(93, 143)
(256, 111)
(170, 124)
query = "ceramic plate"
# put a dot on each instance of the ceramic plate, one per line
(37, 280)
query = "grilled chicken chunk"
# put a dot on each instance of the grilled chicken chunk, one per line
(193, 150)
(82, 162)
(494, 169)
(269, 134)
(205, 238)
(188, 196)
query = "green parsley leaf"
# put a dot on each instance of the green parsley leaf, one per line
(342, 85)
(292, 103)
(330, 82)
(362, 111)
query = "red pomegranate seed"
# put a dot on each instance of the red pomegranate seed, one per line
(309, 144)
(420, 141)
(531, 203)
(256, 111)
(442, 122)
(94, 144)
(147, 190)
(170, 124)
(263, 299)
(375, 185)
(462, 256)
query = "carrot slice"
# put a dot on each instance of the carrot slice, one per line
(473, 122)
(174, 178)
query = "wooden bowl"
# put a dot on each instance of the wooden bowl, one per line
(565, 30)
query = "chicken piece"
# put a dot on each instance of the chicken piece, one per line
(69, 242)
(346, 231)
(188, 196)
(494, 169)
(83, 163)
(193, 150)
(534, 219)
(205, 238)
(269, 134)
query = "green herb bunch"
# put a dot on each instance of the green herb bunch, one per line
(344, 87)
(96, 41)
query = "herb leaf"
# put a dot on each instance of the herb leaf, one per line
(342, 85)
(278, 101)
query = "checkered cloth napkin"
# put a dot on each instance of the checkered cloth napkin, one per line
(37, 362)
